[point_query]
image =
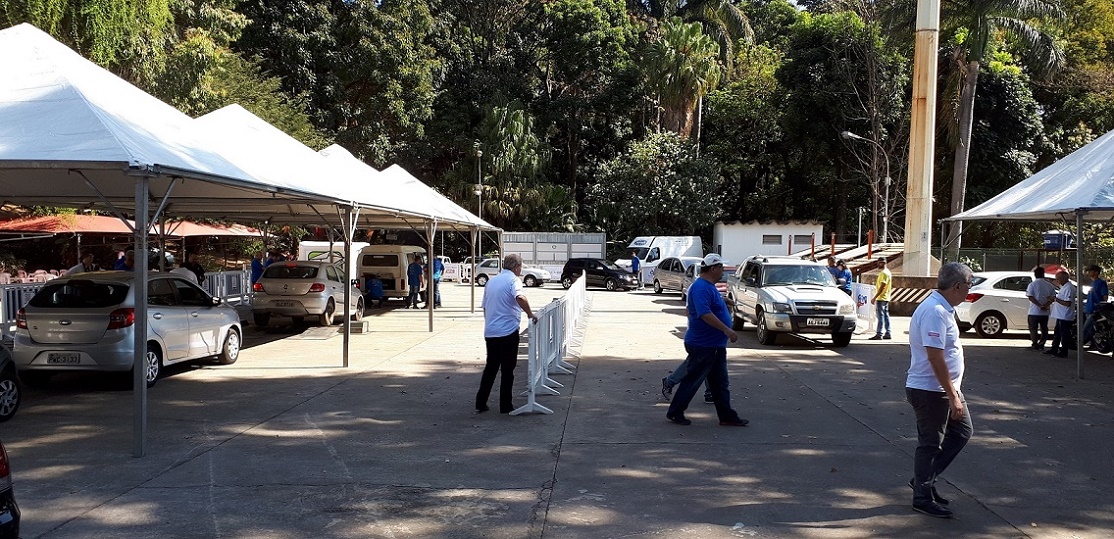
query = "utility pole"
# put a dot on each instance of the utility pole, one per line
(922, 142)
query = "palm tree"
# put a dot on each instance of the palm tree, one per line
(984, 20)
(682, 67)
(722, 20)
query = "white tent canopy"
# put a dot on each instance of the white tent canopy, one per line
(1082, 181)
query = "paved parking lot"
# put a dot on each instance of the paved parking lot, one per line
(287, 444)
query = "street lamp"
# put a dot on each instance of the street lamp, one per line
(886, 201)
(479, 190)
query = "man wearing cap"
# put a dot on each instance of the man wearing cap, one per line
(1099, 294)
(706, 339)
(881, 301)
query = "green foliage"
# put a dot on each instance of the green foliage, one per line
(659, 186)
(682, 67)
(1007, 137)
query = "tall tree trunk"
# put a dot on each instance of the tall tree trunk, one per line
(963, 151)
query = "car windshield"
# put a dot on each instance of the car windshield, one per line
(818, 275)
(610, 265)
(80, 294)
(290, 271)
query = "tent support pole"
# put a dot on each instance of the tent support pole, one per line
(472, 276)
(139, 329)
(1081, 244)
(430, 297)
(347, 229)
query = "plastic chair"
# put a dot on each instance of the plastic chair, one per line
(5, 278)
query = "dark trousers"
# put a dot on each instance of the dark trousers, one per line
(1038, 322)
(1089, 327)
(704, 363)
(939, 438)
(1061, 336)
(502, 356)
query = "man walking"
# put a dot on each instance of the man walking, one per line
(503, 304)
(706, 344)
(438, 271)
(1041, 294)
(1063, 312)
(635, 267)
(1099, 294)
(414, 280)
(932, 387)
(881, 301)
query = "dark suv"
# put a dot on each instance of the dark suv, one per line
(599, 273)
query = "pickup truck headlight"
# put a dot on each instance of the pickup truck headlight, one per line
(783, 308)
(847, 308)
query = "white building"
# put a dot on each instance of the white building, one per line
(736, 241)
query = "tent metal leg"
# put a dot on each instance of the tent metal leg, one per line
(139, 292)
(1080, 245)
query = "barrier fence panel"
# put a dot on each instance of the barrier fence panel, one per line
(232, 287)
(548, 344)
(12, 298)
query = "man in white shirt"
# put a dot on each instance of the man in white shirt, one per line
(503, 304)
(1041, 293)
(1063, 312)
(85, 265)
(185, 273)
(932, 387)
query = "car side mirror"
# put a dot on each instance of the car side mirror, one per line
(749, 281)
(217, 301)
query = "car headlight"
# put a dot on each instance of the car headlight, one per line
(847, 308)
(783, 308)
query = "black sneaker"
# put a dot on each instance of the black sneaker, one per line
(887, 337)
(666, 389)
(936, 497)
(737, 422)
(933, 510)
(679, 419)
(875, 338)
(708, 399)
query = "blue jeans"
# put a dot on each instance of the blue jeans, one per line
(882, 310)
(708, 363)
(939, 438)
(437, 292)
(675, 377)
(412, 299)
(1089, 327)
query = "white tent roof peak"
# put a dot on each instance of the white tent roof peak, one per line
(1082, 181)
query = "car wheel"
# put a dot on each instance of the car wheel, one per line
(841, 339)
(737, 322)
(611, 284)
(153, 361)
(765, 336)
(230, 352)
(326, 318)
(358, 314)
(481, 280)
(10, 394)
(261, 319)
(657, 287)
(566, 283)
(990, 325)
(529, 280)
(684, 297)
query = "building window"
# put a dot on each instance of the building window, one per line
(771, 239)
(801, 239)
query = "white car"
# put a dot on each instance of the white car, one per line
(995, 303)
(301, 288)
(86, 323)
(531, 275)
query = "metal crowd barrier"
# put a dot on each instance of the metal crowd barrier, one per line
(548, 345)
(12, 298)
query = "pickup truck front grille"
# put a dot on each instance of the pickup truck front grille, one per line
(815, 307)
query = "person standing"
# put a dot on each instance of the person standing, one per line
(709, 330)
(933, 387)
(1099, 293)
(85, 265)
(185, 272)
(881, 300)
(1041, 294)
(503, 304)
(636, 267)
(126, 263)
(438, 271)
(197, 269)
(257, 267)
(833, 269)
(414, 280)
(845, 278)
(1063, 312)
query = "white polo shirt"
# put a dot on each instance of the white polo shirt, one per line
(1040, 290)
(502, 313)
(1064, 312)
(933, 325)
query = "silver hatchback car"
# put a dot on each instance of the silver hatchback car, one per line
(86, 322)
(301, 288)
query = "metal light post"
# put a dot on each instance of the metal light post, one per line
(860, 236)
(479, 190)
(886, 200)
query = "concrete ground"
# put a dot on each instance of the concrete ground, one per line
(285, 444)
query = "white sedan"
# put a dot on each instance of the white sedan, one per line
(995, 303)
(531, 275)
(303, 288)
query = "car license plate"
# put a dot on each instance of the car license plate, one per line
(56, 358)
(284, 304)
(816, 322)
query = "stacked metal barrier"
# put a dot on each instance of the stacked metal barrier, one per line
(548, 344)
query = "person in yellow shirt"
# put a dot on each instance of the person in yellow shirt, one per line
(881, 300)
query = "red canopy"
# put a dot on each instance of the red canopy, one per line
(184, 229)
(72, 223)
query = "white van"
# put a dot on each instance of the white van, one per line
(652, 249)
(388, 263)
(323, 251)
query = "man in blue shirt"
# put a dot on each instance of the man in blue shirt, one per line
(635, 266)
(256, 267)
(414, 280)
(438, 271)
(706, 343)
(1098, 294)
